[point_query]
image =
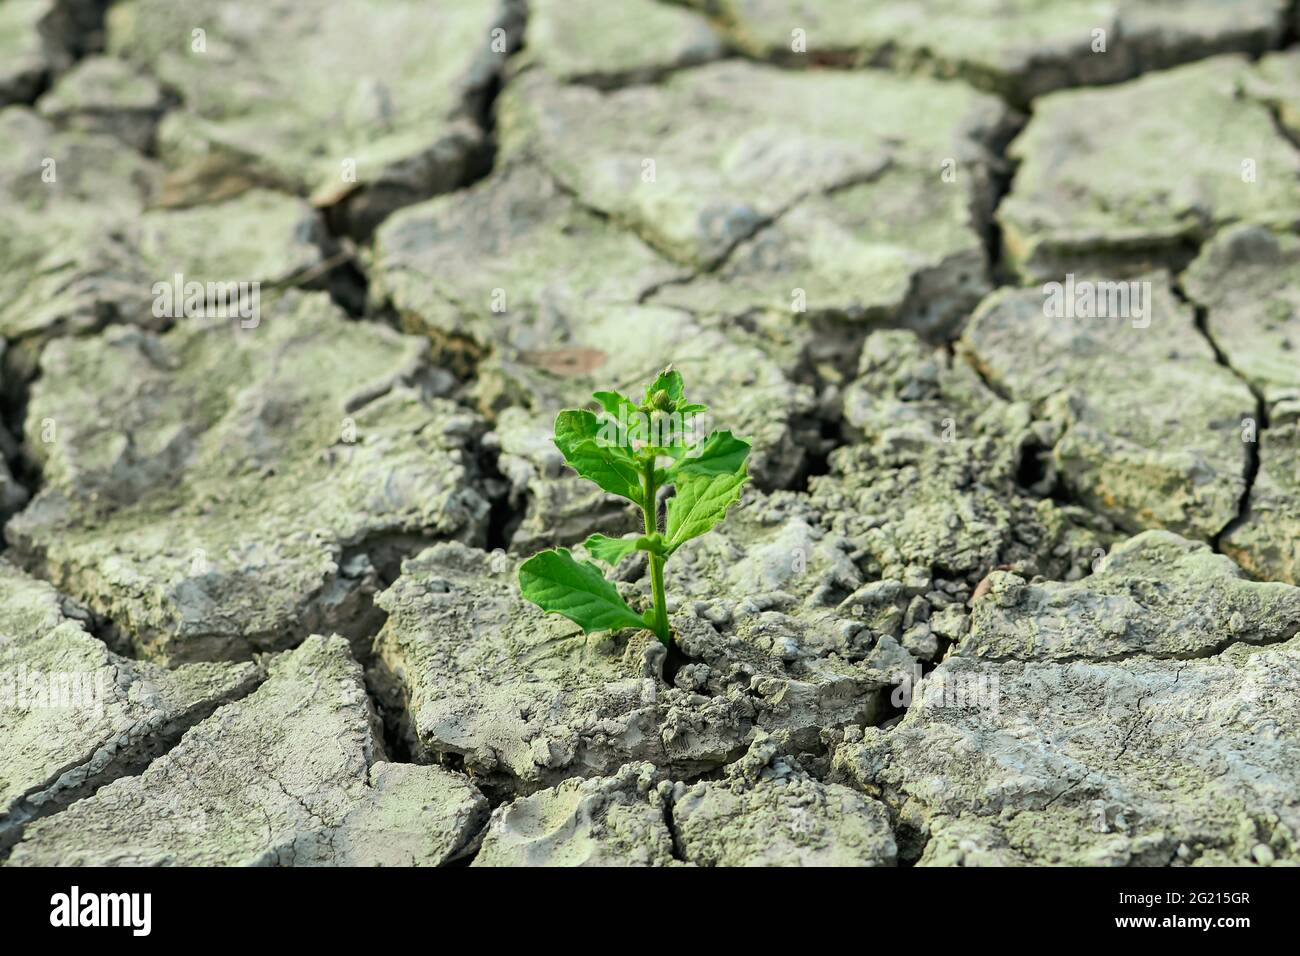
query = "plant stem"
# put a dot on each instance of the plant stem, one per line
(651, 511)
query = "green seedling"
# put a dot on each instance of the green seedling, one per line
(621, 450)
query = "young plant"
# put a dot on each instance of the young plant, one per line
(621, 450)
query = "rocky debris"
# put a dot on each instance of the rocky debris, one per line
(1146, 425)
(1156, 594)
(218, 490)
(286, 776)
(1018, 50)
(610, 45)
(530, 702)
(410, 816)
(1108, 204)
(810, 595)
(105, 95)
(391, 113)
(765, 811)
(73, 714)
(768, 812)
(1136, 762)
(905, 248)
(775, 573)
(606, 821)
(929, 488)
(1266, 542)
(770, 554)
(705, 160)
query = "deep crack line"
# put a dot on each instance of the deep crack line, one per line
(1253, 455)
(130, 763)
(715, 264)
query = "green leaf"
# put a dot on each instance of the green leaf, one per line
(558, 584)
(613, 401)
(614, 550)
(624, 411)
(578, 436)
(700, 503)
(670, 381)
(721, 453)
(575, 425)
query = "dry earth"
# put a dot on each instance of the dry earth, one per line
(1013, 584)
